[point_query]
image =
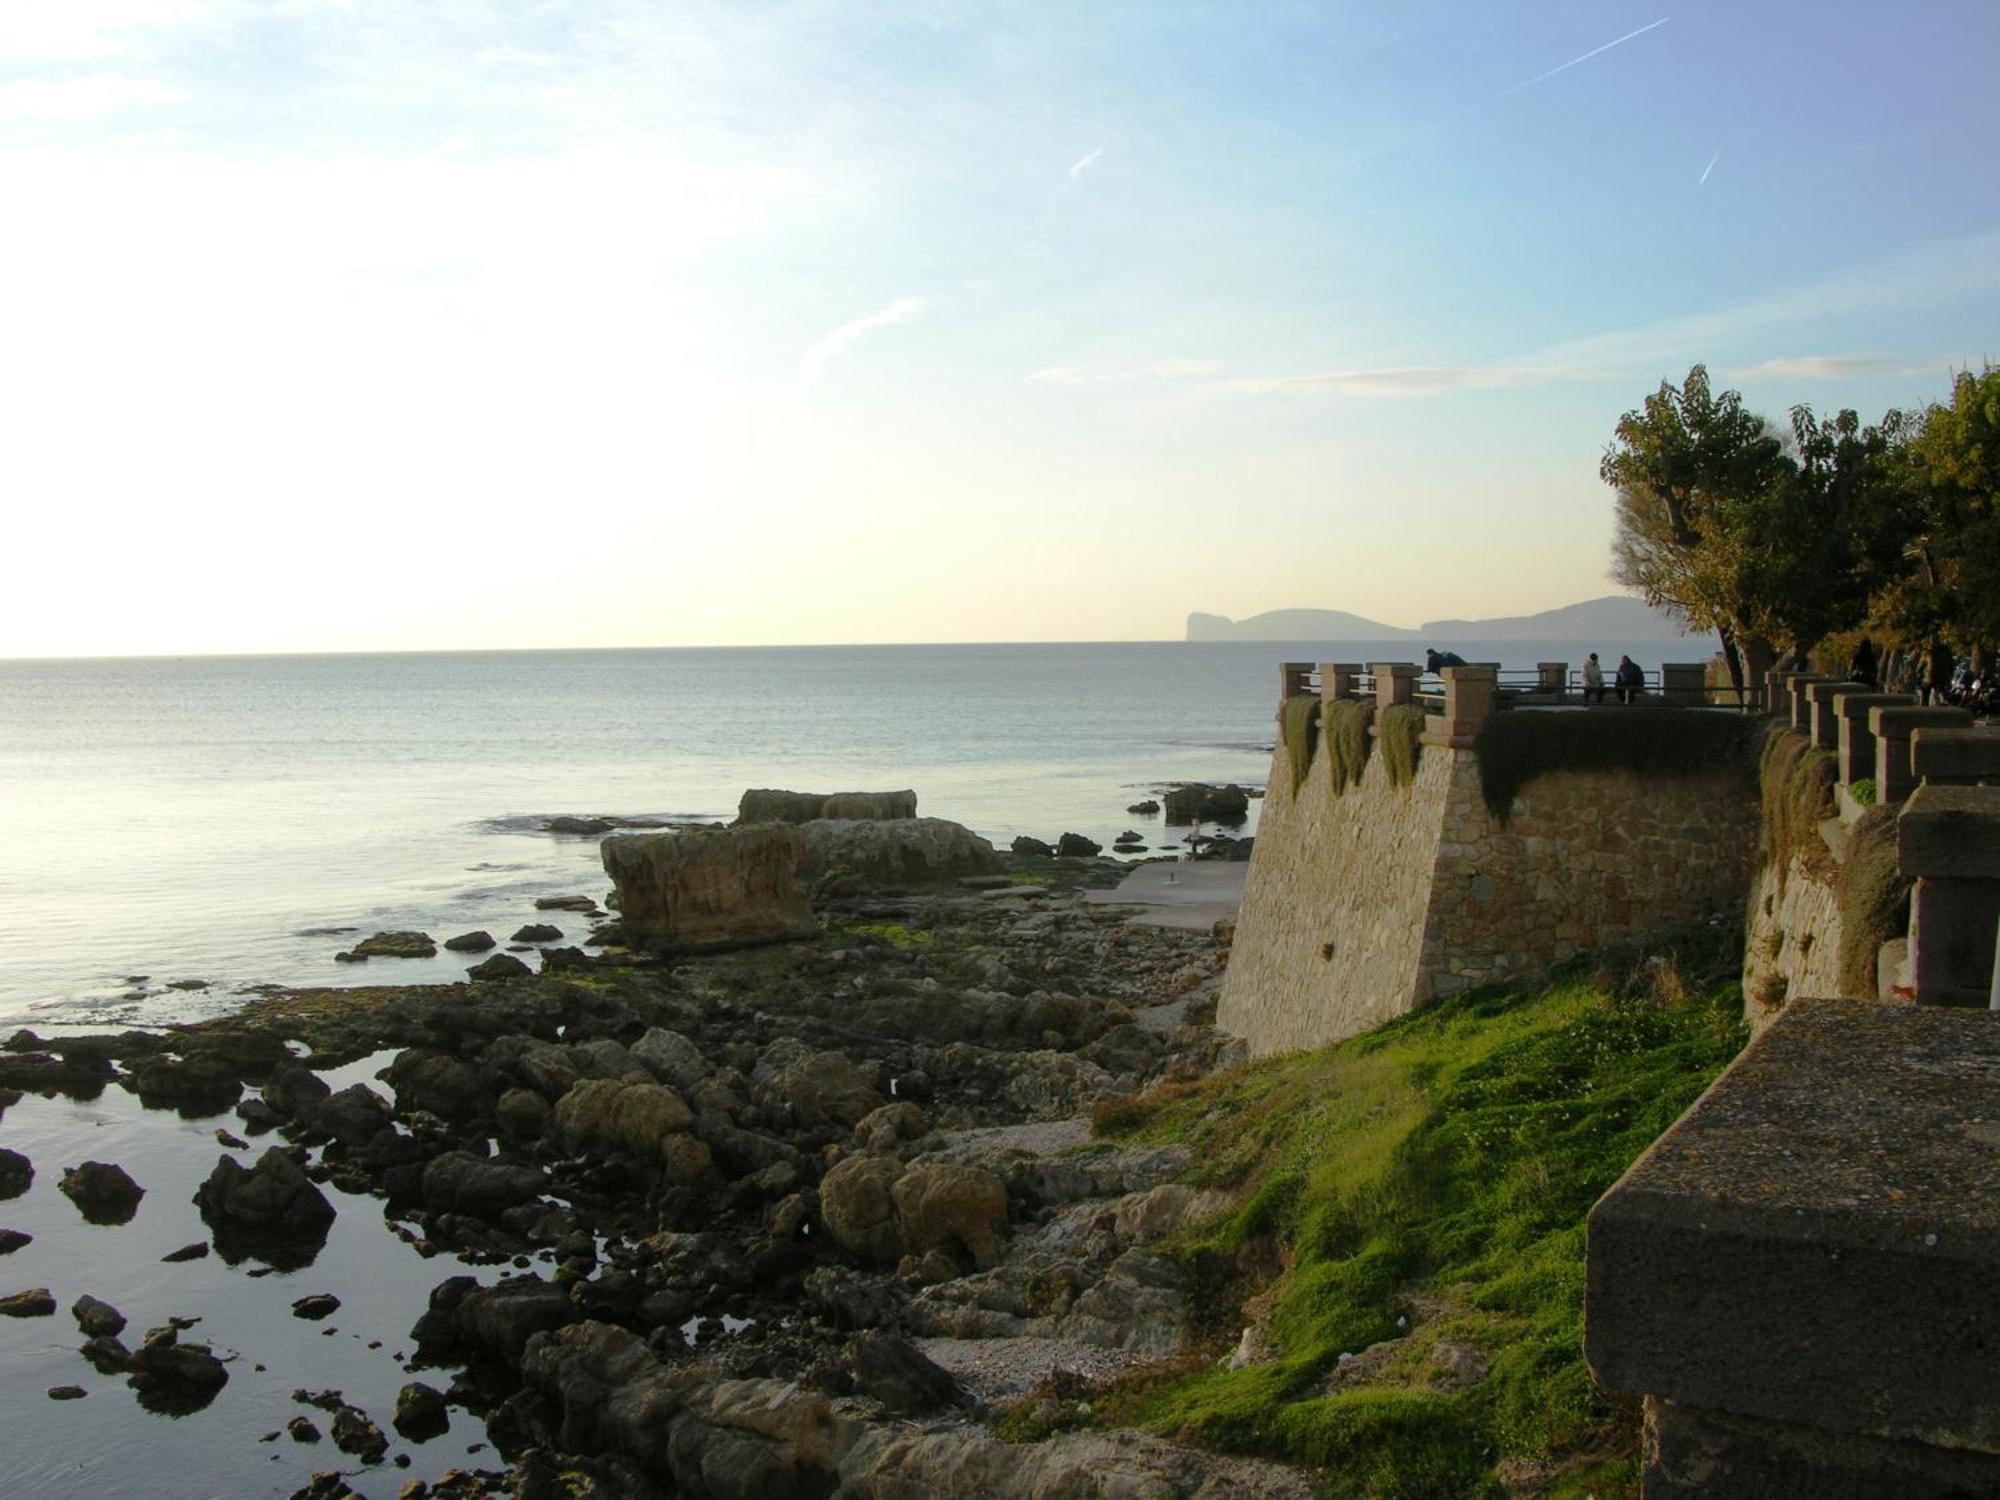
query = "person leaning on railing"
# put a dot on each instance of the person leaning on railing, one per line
(1593, 680)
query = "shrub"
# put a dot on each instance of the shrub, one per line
(1347, 740)
(1863, 791)
(1796, 783)
(1298, 729)
(1400, 728)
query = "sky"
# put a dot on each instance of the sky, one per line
(425, 324)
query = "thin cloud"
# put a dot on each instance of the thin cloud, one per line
(813, 363)
(1825, 367)
(1406, 382)
(1165, 369)
(1702, 181)
(1573, 62)
(1080, 167)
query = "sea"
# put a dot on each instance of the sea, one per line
(175, 832)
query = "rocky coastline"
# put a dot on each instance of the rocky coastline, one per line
(810, 1217)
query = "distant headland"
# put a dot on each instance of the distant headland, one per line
(1615, 617)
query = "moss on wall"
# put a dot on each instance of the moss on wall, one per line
(1796, 783)
(1400, 728)
(1516, 746)
(1298, 728)
(1347, 738)
(1874, 899)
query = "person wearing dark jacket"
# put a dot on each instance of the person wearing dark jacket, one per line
(1630, 681)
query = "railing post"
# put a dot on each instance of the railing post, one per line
(1552, 677)
(1796, 685)
(1683, 684)
(1395, 682)
(1948, 841)
(1856, 741)
(1824, 727)
(1892, 728)
(1469, 694)
(1292, 677)
(1336, 679)
(1956, 757)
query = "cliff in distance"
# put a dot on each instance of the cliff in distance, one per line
(1615, 617)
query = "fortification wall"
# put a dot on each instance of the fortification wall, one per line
(1365, 905)
(1792, 940)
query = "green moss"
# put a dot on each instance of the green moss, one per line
(1347, 741)
(1873, 897)
(1298, 730)
(1445, 1161)
(1400, 728)
(1795, 782)
(1863, 791)
(895, 934)
(1516, 746)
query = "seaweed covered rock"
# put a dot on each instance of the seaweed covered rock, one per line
(767, 805)
(709, 888)
(646, 1120)
(893, 854)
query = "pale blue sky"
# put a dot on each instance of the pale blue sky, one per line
(372, 325)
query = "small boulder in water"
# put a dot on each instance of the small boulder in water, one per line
(1032, 846)
(102, 1192)
(37, 1302)
(395, 945)
(470, 942)
(1076, 846)
(499, 966)
(538, 932)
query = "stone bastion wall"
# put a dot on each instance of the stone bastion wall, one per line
(1367, 903)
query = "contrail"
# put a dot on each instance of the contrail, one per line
(1077, 170)
(1565, 67)
(1710, 167)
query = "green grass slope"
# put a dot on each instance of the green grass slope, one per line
(1422, 1190)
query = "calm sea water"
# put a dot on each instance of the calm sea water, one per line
(191, 819)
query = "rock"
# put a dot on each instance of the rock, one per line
(97, 1319)
(584, 904)
(1076, 846)
(270, 1210)
(302, 1429)
(883, 1129)
(763, 805)
(396, 945)
(499, 966)
(537, 932)
(897, 854)
(196, 1251)
(569, 823)
(458, 1182)
(709, 888)
(313, 1308)
(354, 1432)
(564, 960)
(672, 1058)
(897, 1374)
(521, 1114)
(294, 1091)
(38, 1302)
(858, 1209)
(17, 1173)
(439, 1084)
(174, 1377)
(1040, 848)
(328, 1486)
(495, 1321)
(646, 1120)
(67, 1393)
(193, 1086)
(942, 1204)
(1197, 803)
(420, 1412)
(1144, 807)
(12, 1240)
(826, 1088)
(470, 942)
(354, 1116)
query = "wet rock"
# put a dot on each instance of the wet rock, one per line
(1147, 805)
(470, 942)
(176, 1378)
(38, 1302)
(826, 1088)
(328, 1486)
(395, 945)
(1037, 848)
(458, 1182)
(521, 1114)
(187, 1252)
(270, 1210)
(102, 1192)
(12, 1240)
(97, 1319)
(537, 932)
(420, 1412)
(293, 1091)
(302, 1429)
(17, 1174)
(586, 904)
(355, 1432)
(1197, 803)
(564, 960)
(647, 1120)
(709, 888)
(883, 1129)
(944, 1205)
(768, 805)
(1076, 846)
(495, 1322)
(672, 1057)
(499, 966)
(67, 1393)
(318, 1305)
(902, 854)
(439, 1084)
(896, 1373)
(858, 1209)
(107, 1355)
(74, 1069)
(192, 1086)
(354, 1116)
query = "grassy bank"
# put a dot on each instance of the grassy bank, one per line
(1411, 1219)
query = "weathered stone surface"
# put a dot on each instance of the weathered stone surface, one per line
(470, 942)
(17, 1173)
(439, 1084)
(709, 888)
(270, 1210)
(1024, 844)
(1196, 803)
(943, 1205)
(891, 854)
(499, 966)
(395, 945)
(1076, 846)
(458, 1182)
(1818, 1240)
(1950, 833)
(764, 805)
(857, 1206)
(293, 1091)
(647, 1120)
(420, 1412)
(37, 1302)
(1962, 756)
(103, 1192)
(827, 1087)
(672, 1057)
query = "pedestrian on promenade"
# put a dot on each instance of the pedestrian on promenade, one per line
(1593, 680)
(1630, 681)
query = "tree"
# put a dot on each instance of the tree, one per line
(1692, 469)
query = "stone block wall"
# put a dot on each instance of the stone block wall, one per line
(1363, 906)
(1792, 940)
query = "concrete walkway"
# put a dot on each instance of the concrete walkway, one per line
(1194, 896)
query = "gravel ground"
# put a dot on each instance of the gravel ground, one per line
(999, 1370)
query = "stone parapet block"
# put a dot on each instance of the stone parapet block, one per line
(1856, 742)
(1796, 684)
(1395, 682)
(1950, 833)
(1820, 721)
(1816, 1242)
(1892, 728)
(1966, 756)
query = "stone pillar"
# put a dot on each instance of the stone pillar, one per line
(1552, 677)
(1892, 728)
(1336, 679)
(1802, 1276)
(1955, 757)
(1395, 682)
(1796, 706)
(1683, 684)
(1948, 840)
(1820, 722)
(1292, 679)
(1469, 695)
(1856, 741)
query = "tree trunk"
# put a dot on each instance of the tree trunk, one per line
(1729, 659)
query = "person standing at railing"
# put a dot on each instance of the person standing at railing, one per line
(1630, 681)
(1593, 680)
